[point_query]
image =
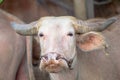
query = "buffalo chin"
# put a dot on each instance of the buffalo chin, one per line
(54, 67)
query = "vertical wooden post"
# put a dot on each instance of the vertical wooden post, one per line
(80, 9)
(84, 9)
(90, 8)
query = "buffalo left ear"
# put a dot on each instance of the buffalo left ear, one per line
(91, 41)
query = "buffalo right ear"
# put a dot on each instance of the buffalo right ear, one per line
(91, 41)
(25, 29)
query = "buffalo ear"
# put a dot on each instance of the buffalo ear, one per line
(91, 41)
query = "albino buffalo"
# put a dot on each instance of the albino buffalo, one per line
(65, 43)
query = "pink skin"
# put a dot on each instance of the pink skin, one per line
(58, 46)
(57, 39)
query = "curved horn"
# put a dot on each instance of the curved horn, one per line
(84, 26)
(25, 29)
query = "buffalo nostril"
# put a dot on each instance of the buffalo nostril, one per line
(45, 57)
(51, 56)
(58, 57)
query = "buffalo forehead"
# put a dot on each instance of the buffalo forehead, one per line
(56, 23)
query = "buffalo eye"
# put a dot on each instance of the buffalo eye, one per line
(70, 34)
(41, 34)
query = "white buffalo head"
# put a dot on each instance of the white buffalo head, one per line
(59, 37)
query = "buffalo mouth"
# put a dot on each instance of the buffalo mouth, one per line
(54, 66)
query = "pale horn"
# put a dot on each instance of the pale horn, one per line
(25, 29)
(86, 26)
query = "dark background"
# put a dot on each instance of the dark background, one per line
(30, 10)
